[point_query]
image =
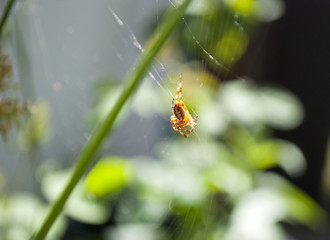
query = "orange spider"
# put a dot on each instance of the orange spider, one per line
(181, 117)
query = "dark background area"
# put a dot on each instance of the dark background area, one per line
(294, 52)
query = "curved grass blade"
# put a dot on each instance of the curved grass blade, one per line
(5, 14)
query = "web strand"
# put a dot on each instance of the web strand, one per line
(208, 54)
(137, 44)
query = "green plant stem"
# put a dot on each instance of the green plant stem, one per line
(170, 20)
(5, 14)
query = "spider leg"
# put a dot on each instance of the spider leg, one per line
(180, 127)
(192, 123)
(178, 94)
(188, 132)
(177, 126)
(174, 120)
(179, 89)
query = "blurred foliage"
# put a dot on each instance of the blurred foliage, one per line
(326, 174)
(80, 206)
(211, 186)
(108, 176)
(227, 28)
(104, 95)
(12, 112)
(217, 184)
(21, 213)
(36, 129)
(2, 181)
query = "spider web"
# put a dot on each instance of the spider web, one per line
(159, 74)
(74, 51)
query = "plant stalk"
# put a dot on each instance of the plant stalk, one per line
(5, 14)
(170, 20)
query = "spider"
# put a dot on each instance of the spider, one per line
(181, 117)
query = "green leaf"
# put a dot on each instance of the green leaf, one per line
(263, 155)
(109, 176)
(256, 215)
(145, 231)
(297, 204)
(21, 213)
(282, 110)
(225, 177)
(80, 206)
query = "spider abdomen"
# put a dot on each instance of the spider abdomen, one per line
(179, 112)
